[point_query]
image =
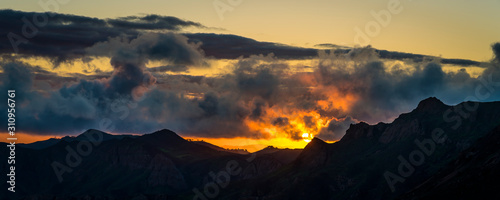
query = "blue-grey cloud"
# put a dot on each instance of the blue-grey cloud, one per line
(63, 37)
(336, 129)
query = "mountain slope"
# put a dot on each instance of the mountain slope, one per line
(473, 175)
(52, 141)
(157, 165)
(431, 151)
(356, 167)
(238, 151)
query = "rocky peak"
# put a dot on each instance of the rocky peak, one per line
(166, 134)
(315, 143)
(314, 154)
(356, 131)
(431, 104)
(94, 131)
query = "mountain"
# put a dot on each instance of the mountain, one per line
(52, 141)
(214, 147)
(434, 151)
(99, 165)
(285, 156)
(473, 175)
(381, 161)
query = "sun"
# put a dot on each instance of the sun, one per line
(307, 137)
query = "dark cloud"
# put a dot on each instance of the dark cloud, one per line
(232, 46)
(349, 52)
(83, 104)
(152, 22)
(336, 129)
(260, 89)
(331, 46)
(309, 121)
(258, 109)
(18, 77)
(169, 68)
(422, 58)
(37, 113)
(209, 105)
(281, 121)
(64, 37)
(496, 51)
(261, 82)
(383, 92)
(169, 47)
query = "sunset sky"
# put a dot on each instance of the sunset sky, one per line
(203, 68)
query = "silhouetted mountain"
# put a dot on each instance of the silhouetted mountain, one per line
(53, 141)
(314, 154)
(434, 151)
(215, 147)
(157, 165)
(473, 175)
(268, 149)
(431, 104)
(284, 156)
(359, 165)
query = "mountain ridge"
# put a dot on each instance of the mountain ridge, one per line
(356, 164)
(164, 165)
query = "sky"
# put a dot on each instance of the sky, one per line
(241, 74)
(456, 29)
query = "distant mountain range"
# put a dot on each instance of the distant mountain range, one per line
(160, 164)
(434, 151)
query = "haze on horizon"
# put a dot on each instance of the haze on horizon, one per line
(142, 68)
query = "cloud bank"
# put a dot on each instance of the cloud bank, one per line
(261, 96)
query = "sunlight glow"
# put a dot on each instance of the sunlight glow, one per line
(307, 137)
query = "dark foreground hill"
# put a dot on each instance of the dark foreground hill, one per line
(435, 151)
(473, 175)
(156, 166)
(384, 161)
